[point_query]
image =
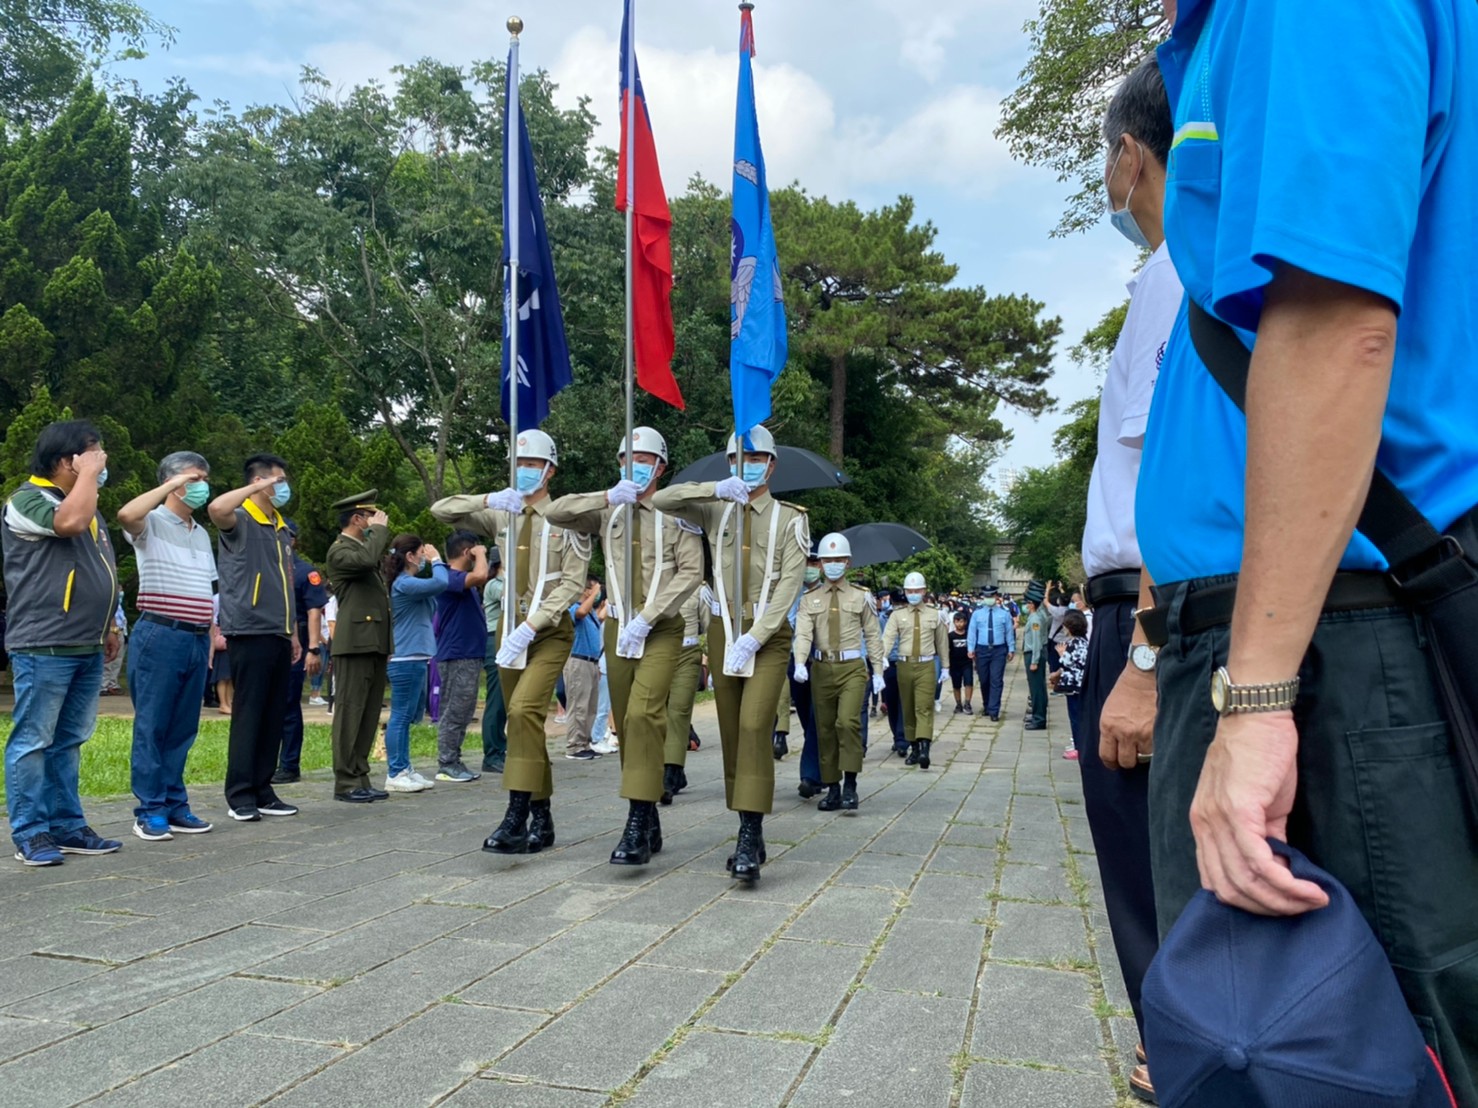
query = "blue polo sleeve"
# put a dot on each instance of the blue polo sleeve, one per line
(1327, 108)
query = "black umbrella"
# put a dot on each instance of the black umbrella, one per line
(876, 543)
(795, 469)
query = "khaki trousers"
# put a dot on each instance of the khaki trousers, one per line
(639, 691)
(916, 691)
(528, 692)
(746, 719)
(837, 689)
(680, 704)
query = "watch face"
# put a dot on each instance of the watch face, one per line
(1219, 691)
(1144, 657)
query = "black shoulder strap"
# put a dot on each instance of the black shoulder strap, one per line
(1389, 519)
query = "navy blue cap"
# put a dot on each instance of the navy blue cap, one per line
(1245, 1011)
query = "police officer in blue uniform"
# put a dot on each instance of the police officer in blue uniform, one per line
(311, 591)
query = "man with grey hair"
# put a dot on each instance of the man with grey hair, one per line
(171, 648)
(1119, 694)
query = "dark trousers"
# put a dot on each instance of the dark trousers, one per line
(361, 688)
(292, 722)
(800, 696)
(1036, 687)
(494, 712)
(260, 668)
(893, 702)
(1380, 803)
(1117, 805)
(990, 672)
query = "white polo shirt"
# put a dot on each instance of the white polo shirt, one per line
(1155, 294)
(177, 568)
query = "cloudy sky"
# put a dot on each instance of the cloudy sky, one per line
(858, 99)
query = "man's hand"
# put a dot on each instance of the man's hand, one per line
(877, 683)
(623, 492)
(732, 488)
(1033, 667)
(632, 637)
(112, 644)
(90, 464)
(1126, 729)
(515, 644)
(314, 664)
(972, 655)
(1010, 658)
(378, 519)
(297, 650)
(1243, 799)
(506, 500)
(741, 651)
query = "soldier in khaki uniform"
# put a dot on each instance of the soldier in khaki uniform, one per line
(749, 640)
(644, 632)
(919, 633)
(696, 612)
(362, 645)
(836, 630)
(536, 634)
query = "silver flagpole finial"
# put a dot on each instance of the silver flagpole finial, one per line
(515, 26)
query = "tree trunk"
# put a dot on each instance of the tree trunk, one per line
(838, 406)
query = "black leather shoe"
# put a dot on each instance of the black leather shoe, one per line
(669, 780)
(1036, 727)
(357, 796)
(996, 718)
(541, 826)
(635, 848)
(781, 744)
(924, 745)
(512, 835)
(849, 796)
(832, 801)
(749, 852)
(682, 780)
(286, 777)
(913, 755)
(809, 788)
(376, 794)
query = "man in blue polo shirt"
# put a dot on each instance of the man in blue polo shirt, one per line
(1320, 188)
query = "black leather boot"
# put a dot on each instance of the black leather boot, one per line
(832, 801)
(729, 861)
(781, 744)
(913, 755)
(634, 849)
(849, 793)
(669, 783)
(682, 780)
(654, 829)
(924, 745)
(749, 854)
(512, 835)
(541, 826)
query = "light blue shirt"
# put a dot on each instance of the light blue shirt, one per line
(991, 624)
(587, 642)
(412, 605)
(1342, 139)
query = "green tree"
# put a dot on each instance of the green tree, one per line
(1080, 51)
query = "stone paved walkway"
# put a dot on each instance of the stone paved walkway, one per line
(945, 946)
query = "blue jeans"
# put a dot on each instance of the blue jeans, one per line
(166, 682)
(56, 709)
(602, 712)
(1075, 717)
(407, 706)
(290, 757)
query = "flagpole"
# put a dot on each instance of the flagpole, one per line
(745, 7)
(627, 594)
(512, 139)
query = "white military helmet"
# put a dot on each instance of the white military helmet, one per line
(762, 441)
(834, 545)
(536, 444)
(915, 581)
(645, 440)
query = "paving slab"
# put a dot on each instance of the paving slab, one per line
(929, 956)
(1046, 884)
(1038, 933)
(845, 914)
(794, 987)
(887, 871)
(945, 897)
(558, 972)
(970, 860)
(360, 949)
(242, 1069)
(988, 1086)
(742, 1071)
(19, 1036)
(499, 1093)
(722, 938)
(27, 976)
(1037, 1016)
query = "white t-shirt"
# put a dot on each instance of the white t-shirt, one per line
(1109, 540)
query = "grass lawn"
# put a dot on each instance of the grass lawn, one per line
(105, 757)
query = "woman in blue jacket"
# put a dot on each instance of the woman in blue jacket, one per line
(412, 604)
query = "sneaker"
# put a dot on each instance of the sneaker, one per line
(244, 815)
(85, 840)
(152, 829)
(39, 850)
(560, 717)
(419, 780)
(581, 755)
(493, 765)
(1070, 754)
(188, 823)
(317, 702)
(286, 777)
(277, 808)
(456, 772)
(403, 783)
(604, 748)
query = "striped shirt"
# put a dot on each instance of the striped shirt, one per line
(177, 568)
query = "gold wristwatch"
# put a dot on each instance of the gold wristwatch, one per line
(1228, 698)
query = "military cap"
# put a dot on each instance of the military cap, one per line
(359, 501)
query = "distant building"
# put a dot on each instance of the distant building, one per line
(1002, 574)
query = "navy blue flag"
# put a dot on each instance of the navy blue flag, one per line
(543, 352)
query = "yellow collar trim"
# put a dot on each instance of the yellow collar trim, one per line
(277, 522)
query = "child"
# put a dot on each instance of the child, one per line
(961, 669)
(1068, 680)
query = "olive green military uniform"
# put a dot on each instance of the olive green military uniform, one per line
(919, 634)
(836, 635)
(361, 646)
(775, 538)
(685, 677)
(551, 565)
(668, 571)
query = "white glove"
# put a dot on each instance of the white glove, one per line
(509, 500)
(706, 597)
(634, 634)
(877, 682)
(732, 488)
(623, 492)
(741, 651)
(515, 644)
(802, 674)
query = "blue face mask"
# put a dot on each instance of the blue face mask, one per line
(641, 472)
(195, 494)
(530, 478)
(834, 570)
(754, 473)
(915, 598)
(1123, 220)
(282, 492)
(103, 477)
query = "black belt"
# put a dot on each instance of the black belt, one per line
(586, 657)
(1211, 606)
(175, 624)
(1111, 588)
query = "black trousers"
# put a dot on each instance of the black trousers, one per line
(893, 702)
(1117, 804)
(292, 720)
(1380, 803)
(260, 667)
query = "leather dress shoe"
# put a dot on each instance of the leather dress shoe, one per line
(286, 777)
(809, 788)
(376, 794)
(781, 744)
(1035, 727)
(357, 796)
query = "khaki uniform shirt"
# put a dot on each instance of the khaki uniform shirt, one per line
(774, 573)
(933, 636)
(856, 621)
(676, 574)
(551, 562)
(696, 614)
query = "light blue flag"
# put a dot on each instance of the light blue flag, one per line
(758, 344)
